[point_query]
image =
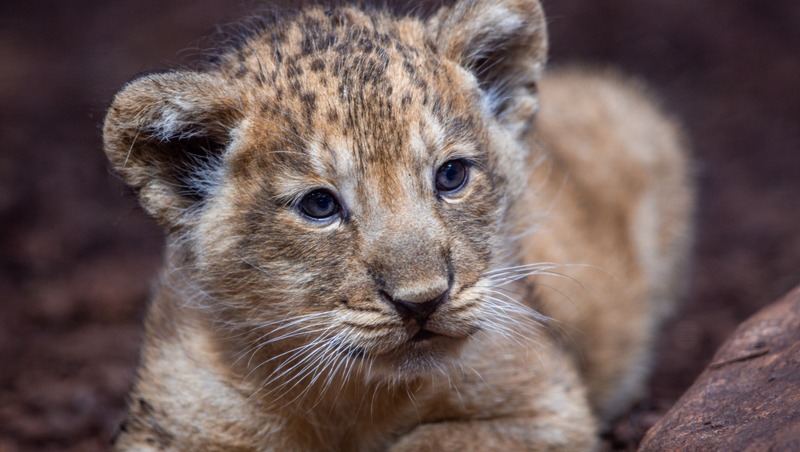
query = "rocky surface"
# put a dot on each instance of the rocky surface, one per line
(749, 396)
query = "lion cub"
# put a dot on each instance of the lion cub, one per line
(377, 239)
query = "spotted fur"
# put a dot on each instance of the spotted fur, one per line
(551, 268)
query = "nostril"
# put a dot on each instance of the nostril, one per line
(419, 311)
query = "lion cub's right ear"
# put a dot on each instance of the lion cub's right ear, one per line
(166, 135)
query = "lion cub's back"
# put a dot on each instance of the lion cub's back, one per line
(613, 198)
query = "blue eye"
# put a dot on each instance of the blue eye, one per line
(319, 205)
(451, 176)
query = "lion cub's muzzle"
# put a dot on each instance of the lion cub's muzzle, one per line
(416, 313)
(415, 307)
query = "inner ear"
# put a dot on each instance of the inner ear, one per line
(190, 164)
(496, 78)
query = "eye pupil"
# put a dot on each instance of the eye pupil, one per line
(451, 176)
(319, 204)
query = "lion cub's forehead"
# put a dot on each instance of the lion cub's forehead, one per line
(349, 98)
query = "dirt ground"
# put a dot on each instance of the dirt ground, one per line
(77, 254)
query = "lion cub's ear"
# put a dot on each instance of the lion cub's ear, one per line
(165, 134)
(504, 44)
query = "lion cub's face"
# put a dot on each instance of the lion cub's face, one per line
(369, 210)
(340, 181)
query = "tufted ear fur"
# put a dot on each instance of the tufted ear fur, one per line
(504, 44)
(165, 134)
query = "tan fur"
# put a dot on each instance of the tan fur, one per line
(274, 331)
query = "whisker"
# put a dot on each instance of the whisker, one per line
(523, 266)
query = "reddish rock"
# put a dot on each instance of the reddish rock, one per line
(748, 398)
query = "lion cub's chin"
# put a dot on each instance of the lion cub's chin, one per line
(420, 356)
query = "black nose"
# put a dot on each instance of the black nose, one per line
(419, 311)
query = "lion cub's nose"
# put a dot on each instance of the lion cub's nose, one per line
(419, 311)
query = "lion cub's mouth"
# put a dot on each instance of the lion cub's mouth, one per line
(424, 334)
(418, 331)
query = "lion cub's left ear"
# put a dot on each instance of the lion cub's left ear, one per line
(166, 134)
(504, 44)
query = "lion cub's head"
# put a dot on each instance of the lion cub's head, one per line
(338, 181)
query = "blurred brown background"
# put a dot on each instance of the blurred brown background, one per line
(77, 254)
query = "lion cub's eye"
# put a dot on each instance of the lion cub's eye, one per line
(451, 176)
(319, 205)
